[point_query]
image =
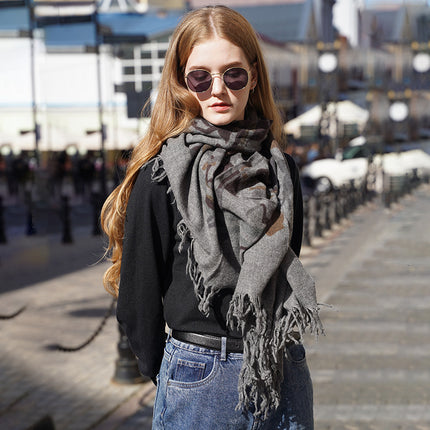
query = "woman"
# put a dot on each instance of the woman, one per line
(204, 233)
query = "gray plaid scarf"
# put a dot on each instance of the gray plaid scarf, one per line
(233, 189)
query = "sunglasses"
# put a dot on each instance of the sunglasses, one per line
(235, 79)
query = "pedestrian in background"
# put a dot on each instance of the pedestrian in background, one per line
(205, 233)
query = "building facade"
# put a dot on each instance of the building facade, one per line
(79, 74)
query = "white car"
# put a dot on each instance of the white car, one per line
(351, 166)
(414, 162)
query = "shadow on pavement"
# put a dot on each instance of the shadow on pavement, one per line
(27, 260)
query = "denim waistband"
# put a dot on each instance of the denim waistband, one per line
(218, 343)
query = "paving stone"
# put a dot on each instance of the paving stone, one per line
(370, 371)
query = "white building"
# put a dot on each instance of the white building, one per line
(56, 79)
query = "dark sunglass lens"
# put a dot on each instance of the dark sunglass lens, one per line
(199, 80)
(236, 78)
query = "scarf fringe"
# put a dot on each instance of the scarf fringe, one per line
(159, 174)
(264, 351)
(204, 295)
(260, 376)
(298, 319)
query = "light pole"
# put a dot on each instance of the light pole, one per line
(100, 107)
(398, 111)
(421, 85)
(398, 114)
(421, 63)
(327, 66)
(36, 130)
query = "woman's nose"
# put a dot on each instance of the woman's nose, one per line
(218, 85)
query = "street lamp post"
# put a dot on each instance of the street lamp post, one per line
(421, 84)
(103, 186)
(36, 130)
(398, 113)
(327, 66)
(98, 197)
(421, 63)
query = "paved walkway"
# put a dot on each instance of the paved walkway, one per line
(370, 372)
(65, 306)
(372, 369)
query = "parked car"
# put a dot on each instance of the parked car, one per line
(414, 163)
(351, 165)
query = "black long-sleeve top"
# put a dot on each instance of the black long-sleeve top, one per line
(154, 287)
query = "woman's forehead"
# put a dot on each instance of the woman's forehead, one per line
(216, 52)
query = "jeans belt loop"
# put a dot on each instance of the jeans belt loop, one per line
(223, 348)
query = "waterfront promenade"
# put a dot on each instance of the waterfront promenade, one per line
(370, 371)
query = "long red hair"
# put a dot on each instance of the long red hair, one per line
(175, 107)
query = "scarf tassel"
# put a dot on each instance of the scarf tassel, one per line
(260, 378)
(261, 374)
(204, 295)
(159, 174)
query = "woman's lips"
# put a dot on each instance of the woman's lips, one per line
(220, 107)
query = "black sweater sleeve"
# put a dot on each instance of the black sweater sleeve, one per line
(296, 238)
(146, 258)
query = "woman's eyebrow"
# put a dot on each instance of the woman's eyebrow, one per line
(223, 68)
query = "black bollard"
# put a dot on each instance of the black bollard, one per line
(31, 230)
(318, 214)
(97, 203)
(337, 206)
(45, 423)
(366, 190)
(126, 370)
(408, 184)
(350, 198)
(327, 200)
(65, 208)
(343, 202)
(306, 221)
(3, 238)
(387, 197)
(363, 194)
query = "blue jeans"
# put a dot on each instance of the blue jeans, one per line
(197, 390)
